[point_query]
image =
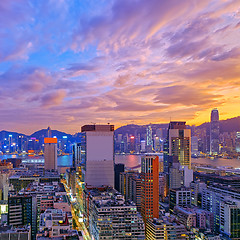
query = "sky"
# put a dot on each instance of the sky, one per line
(66, 63)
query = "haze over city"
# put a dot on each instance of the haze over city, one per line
(69, 63)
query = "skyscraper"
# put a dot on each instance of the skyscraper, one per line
(238, 142)
(98, 154)
(149, 139)
(214, 132)
(50, 153)
(178, 143)
(150, 187)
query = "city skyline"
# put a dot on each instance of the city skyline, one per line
(69, 63)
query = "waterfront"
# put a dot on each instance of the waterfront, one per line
(63, 161)
(132, 161)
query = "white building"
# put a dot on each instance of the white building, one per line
(50, 153)
(99, 155)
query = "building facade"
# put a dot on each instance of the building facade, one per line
(99, 154)
(50, 154)
(150, 187)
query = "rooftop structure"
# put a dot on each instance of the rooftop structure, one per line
(108, 215)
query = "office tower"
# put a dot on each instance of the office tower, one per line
(4, 185)
(238, 142)
(149, 139)
(150, 187)
(99, 154)
(22, 210)
(214, 132)
(76, 154)
(162, 185)
(50, 154)
(108, 216)
(224, 203)
(130, 187)
(178, 143)
(194, 145)
(197, 189)
(187, 176)
(49, 132)
(143, 145)
(179, 197)
(118, 168)
(175, 174)
(132, 144)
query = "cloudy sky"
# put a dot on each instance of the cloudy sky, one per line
(66, 63)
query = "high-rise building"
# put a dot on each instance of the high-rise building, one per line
(118, 168)
(224, 203)
(99, 154)
(149, 139)
(237, 141)
(76, 154)
(194, 145)
(130, 187)
(22, 210)
(50, 153)
(150, 187)
(178, 143)
(214, 132)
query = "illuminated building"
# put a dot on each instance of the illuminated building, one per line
(149, 139)
(238, 142)
(150, 187)
(178, 144)
(132, 144)
(130, 187)
(109, 216)
(214, 132)
(224, 203)
(179, 197)
(165, 229)
(50, 153)
(22, 210)
(99, 154)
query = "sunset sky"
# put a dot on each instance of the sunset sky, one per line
(66, 63)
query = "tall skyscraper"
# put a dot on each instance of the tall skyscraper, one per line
(50, 153)
(214, 132)
(149, 139)
(238, 142)
(98, 154)
(150, 187)
(178, 143)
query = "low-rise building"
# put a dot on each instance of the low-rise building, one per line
(109, 216)
(165, 228)
(12, 233)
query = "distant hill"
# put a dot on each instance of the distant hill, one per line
(5, 134)
(131, 129)
(228, 125)
(44, 133)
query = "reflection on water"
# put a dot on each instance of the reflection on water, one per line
(131, 161)
(65, 160)
(218, 162)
